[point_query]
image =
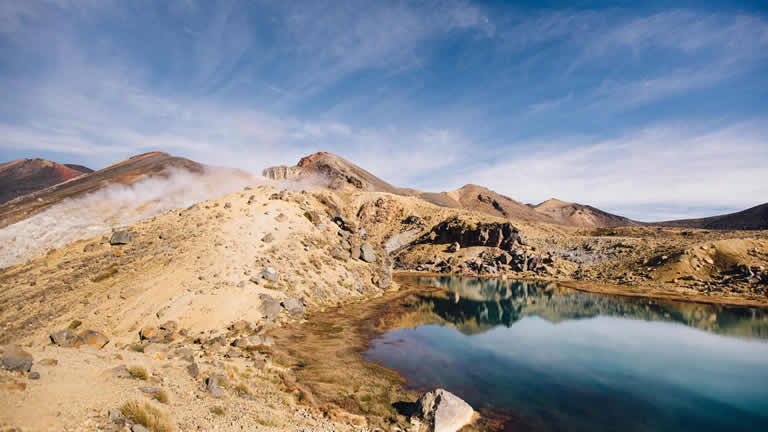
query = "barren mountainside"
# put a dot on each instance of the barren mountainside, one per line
(124, 172)
(340, 173)
(24, 176)
(755, 218)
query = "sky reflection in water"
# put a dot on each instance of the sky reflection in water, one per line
(555, 359)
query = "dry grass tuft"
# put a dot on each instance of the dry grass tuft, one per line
(161, 396)
(106, 274)
(138, 372)
(148, 416)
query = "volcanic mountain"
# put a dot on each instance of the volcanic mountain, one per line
(754, 218)
(24, 176)
(70, 183)
(339, 173)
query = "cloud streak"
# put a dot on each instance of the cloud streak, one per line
(582, 105)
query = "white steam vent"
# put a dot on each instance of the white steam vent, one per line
(115, 206)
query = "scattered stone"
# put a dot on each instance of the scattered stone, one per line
(14, 358)
(116, 417)
(443, 411)
(367, 253)
(121, 238)
(293, 307)
(212, 386)
(34, 375)
(281, 217)
(227, 205)
(93, 338)
(454, 247)
(270, 308)
(338, 253)
(239, 325)
(120, 372)
(89, 247)
(194, 370)
(150, 390)
(313, 216)
(253, 342)
(64, 338)
(138, 428)
(269, 274)
(269, 238)
(355, 252)
(156, 350)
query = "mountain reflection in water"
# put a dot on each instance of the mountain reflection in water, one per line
(546, 358)
(475, 305)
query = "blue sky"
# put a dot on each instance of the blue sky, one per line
(652, 110)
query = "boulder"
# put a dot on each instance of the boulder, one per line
(269, 274)
(156, 350)
(213, 387)
(93, 338)
(121, 238)
(271, 308)
(65, 338)
(239, 325)
(367, 253)
(14, 358)
(454, 247)
(253, 342)
(443, 411)
(313, 216)
(293, 307)
(355, 252)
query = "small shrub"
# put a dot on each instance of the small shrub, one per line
(161, 396)
(242, 389)
(138, 372)
(147, 415)
(217, 410)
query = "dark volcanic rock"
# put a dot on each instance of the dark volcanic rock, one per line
(455, 230)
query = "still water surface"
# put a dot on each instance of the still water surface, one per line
(552, 359)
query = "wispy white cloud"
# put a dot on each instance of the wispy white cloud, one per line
(668, 164)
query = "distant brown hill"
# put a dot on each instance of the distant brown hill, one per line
(755, 218)
(82, 169)
(24, 176)
(125, 172)
(340, 173)
(580, 215)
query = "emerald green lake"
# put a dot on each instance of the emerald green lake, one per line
(545, 358)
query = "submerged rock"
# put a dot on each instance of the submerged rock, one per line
(443, 411)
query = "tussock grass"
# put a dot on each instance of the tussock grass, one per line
(138, 372)
(242, 389)
(75, 324)
(161, 396)
(145, 414)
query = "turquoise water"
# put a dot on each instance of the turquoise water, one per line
(551, 359)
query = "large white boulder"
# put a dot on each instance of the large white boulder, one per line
(442, 411)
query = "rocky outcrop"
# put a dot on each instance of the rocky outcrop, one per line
(502, 235)
(442, 411)
(282, 172)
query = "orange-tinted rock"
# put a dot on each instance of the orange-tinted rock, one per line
(93, 338)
